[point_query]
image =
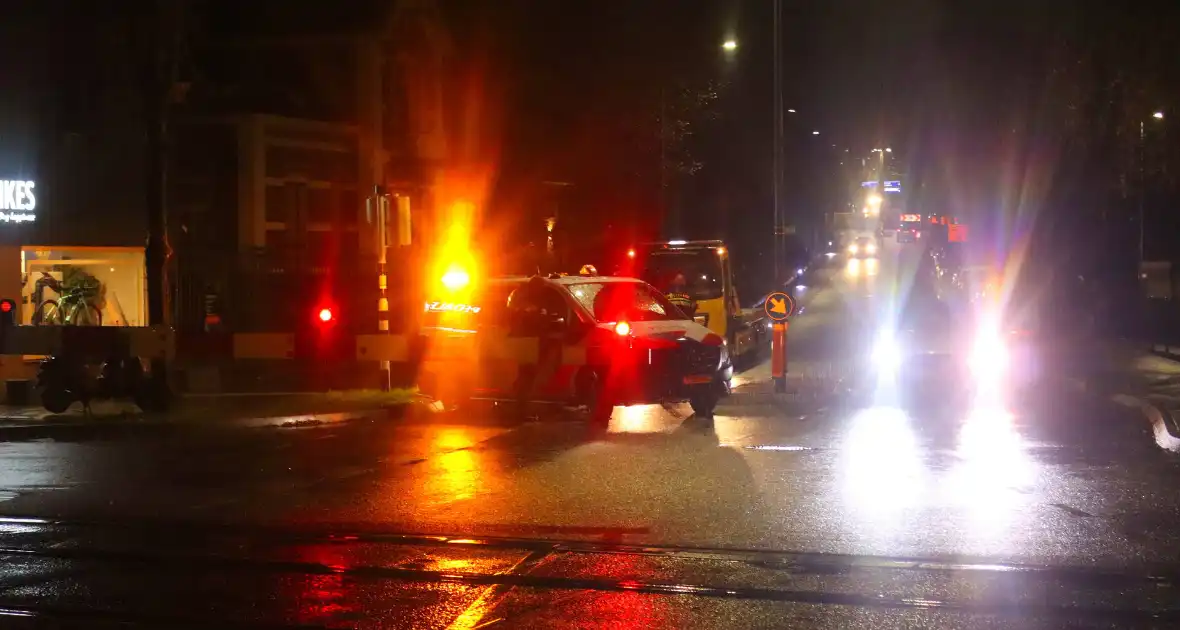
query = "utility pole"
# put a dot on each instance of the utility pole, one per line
(159, 86)
(1142, 192)
(777, 174)
(669, 219)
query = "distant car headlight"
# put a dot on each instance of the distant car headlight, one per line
(871, 249)
(852, 249)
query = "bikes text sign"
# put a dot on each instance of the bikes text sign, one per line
(18, 203)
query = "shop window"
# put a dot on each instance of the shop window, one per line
(83, 286)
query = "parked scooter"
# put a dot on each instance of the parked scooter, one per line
(62, 380)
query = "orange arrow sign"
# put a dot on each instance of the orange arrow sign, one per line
(779, 306)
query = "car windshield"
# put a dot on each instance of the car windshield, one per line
(625, 301)
(698, 269)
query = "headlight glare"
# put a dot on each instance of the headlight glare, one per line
(886, 353)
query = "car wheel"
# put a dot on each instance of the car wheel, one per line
(56, 399)
(704, 403)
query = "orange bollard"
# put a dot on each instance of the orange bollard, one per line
(778, 356)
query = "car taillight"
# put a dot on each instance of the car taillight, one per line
(623, 329)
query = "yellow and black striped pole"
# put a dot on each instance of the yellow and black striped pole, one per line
(381, 204)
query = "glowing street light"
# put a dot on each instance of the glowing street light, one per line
(729, 45)
(1158, 115)
(815, 133)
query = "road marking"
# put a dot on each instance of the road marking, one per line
(473, 617)
(1072, 511)
(769, 447)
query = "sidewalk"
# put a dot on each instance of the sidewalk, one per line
(216, 411)
(1130, 375)
(811, 383)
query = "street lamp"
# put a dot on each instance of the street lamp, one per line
(729, 45)
(815, 133)
(790, 111)
(1158, 115)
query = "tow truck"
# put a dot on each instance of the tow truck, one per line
(708, 272)
(583, 340)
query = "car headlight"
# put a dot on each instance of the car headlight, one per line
(852, 249)
(871, 249)
(990, 356)
(886, 353)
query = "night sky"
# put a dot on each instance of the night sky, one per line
(963, 92)
(945, 86)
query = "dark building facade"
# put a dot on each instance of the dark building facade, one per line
(282, 121)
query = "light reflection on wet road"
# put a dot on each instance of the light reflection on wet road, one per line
(1058, 479)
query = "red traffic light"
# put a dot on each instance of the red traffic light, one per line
(7, 306)
(325, 315)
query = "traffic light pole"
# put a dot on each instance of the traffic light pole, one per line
(159, 77)
(779, 232)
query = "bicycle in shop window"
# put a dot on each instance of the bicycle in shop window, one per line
(79, 295)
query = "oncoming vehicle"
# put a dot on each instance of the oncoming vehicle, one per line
(863, 247)
(910, 228)
(587, 341)
(709, 287)
(937, 350)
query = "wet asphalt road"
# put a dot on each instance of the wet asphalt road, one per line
(806, 512)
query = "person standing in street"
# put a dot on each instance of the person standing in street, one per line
(678, 295)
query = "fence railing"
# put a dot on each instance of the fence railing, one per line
(269, 291)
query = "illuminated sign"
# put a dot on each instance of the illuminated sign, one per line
(911, 218)
(17, 201)
(893, 186)
(450, 307)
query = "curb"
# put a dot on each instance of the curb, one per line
(1163, 423)
(1171, 353)
(115, 428)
